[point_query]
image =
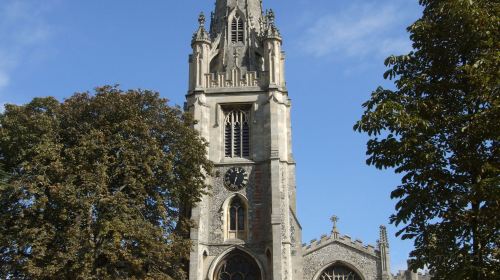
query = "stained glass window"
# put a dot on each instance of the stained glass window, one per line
(236, 215)
(238, 266)
(339, 272)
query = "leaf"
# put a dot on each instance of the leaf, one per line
(99, 186)
(440, 130)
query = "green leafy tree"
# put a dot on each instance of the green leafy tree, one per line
(440, 129)
(3, 175)
(98, 187)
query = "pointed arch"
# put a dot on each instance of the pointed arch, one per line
(236, 25)
(236, 257)
(237, 132)
(339, 270)
(235, 217)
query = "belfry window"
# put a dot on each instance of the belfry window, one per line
(237, 134)
(237, 30)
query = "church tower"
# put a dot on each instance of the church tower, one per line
(246, 227)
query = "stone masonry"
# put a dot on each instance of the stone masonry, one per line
(247, 226)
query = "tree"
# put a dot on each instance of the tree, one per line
(440, 129)
(3, 175)
(98, 187)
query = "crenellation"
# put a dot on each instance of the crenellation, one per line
(346, 238)
(410, 275)
(371, 249)
(326, 240)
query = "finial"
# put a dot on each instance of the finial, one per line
(335, 230)
(202, 19)
(270, 16)
(201, 35)
(235, 56)
(383, 236)
(334, 220)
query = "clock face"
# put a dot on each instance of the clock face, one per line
(235, 179)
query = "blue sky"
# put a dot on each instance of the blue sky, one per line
(335, 53)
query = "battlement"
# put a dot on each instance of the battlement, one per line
(409, 275)
(325, 240)
(235, 78)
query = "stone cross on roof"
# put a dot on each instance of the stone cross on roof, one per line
(335, 230)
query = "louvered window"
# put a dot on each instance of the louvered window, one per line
(237, 30)
(237, 134)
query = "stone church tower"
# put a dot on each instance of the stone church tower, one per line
(247, 227)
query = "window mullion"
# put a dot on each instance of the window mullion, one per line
(236, 225)
(241, 136)
(237, 134)
(232, 137)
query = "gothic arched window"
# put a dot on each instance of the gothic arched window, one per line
(339, 272)
(237, 219)
(237, 29)
(237, 134)
(238, 266)
(237, 215)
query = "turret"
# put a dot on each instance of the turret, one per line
(273, 56)
(199, 60)
(384, 254)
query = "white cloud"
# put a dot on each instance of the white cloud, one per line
(23, 32)
(363, 29)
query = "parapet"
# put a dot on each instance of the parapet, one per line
(235, 78)
(343, 239)
(409, 275)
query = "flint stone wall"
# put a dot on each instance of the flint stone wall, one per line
(315, 260)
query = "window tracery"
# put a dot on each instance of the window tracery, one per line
(237, 134)
(237, 215)
(339, 272)
(238, 266)
(237, 30)
(237, 219)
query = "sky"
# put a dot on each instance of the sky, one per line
(335, 52)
